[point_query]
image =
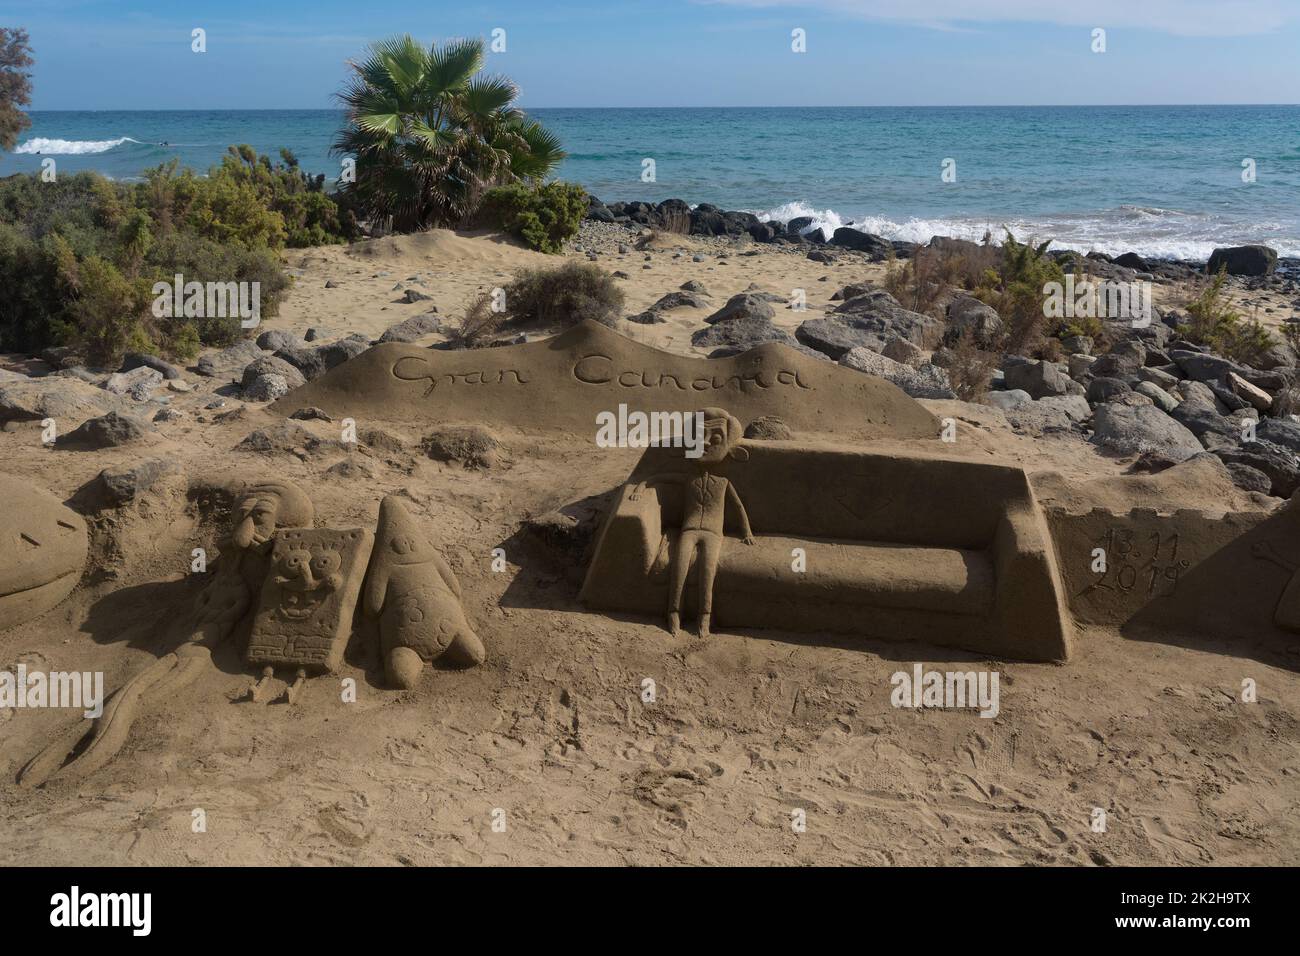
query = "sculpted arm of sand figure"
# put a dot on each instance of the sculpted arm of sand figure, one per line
(668, 478)
(746, 532)
(218, 609)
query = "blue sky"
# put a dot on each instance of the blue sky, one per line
(135, 54)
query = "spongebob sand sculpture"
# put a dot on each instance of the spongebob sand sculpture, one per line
(226, 600)
(301, 587)
(307, 602)
(416, 599)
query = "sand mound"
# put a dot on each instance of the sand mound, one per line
(561, 384)
(448, 249)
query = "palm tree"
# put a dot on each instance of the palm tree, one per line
(429, 134)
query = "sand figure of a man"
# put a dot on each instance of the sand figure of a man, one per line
(706, 497)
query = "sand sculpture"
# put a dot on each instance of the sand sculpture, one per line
(304, 618)
(42, 551)
(301, 587)
(238, 575)
(950, 551)
(1228, 576)
(706, 499)
(1180, 555)
(415, 597)
(562, 383)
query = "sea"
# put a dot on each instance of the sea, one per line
(1162, 181)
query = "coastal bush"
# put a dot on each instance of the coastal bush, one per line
(79, 256)
(1212, 322)
(563, 297)
(1015, 290)
(430, 135)
(544, 217)
(970, 369)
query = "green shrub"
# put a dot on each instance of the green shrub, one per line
(104, 315)
(79, 256)
(1015, 290)
(543, 217)
(563, 297)
(1215, 324)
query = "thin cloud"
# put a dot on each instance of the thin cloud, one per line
(1205, 18)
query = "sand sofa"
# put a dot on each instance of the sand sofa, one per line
(941, 550)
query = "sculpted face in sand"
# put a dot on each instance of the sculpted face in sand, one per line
(706, 497)
(304, 616)
(42, 551)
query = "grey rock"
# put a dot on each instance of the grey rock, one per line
(134, 360)
(928, 381)
(1201, 419)
(1277, 463)
(272, 340)
(108, 431)
(1254, 260)
(880, 312)
(266, 388)
(62, 398)
(1039, 379)
(413, 328)
(317, 360)
(835, 338)
(1203, 367)
(1158, 378)
(1249, 478)
(271, 365)
(1135, 430)
(743, 305)
(310, 413)
(1159, 397)
(1122, 361)
(901, 350)
(1104, 389)
(229, 362)
(1074, 407)
(1079, 365)
(1280, 431)
(1007, 400)
(968, 316)
(680, 300)
(126, 483)
(876, 248)
(140, 379)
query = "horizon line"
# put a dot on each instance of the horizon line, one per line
(864, 106)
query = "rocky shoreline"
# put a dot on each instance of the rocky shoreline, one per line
(706, 220)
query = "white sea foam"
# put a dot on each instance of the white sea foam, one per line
(1151, 232)
(70, 147)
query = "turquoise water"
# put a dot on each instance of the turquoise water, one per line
(1160, 181)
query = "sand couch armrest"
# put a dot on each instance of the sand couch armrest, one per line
(1028, 600)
